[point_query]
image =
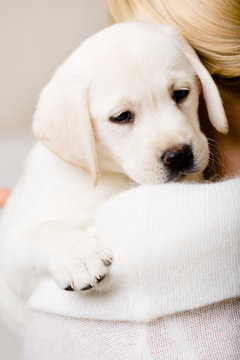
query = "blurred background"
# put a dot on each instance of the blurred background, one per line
(35, 36)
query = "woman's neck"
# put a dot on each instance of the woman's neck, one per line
(230, 144)
(225, 149)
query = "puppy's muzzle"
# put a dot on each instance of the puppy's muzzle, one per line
(178, 160)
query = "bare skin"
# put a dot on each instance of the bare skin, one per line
(230, 144)
(225, 159)
(4, 194)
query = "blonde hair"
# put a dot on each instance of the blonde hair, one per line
(211, 27)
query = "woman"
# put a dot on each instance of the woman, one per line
(202, 292)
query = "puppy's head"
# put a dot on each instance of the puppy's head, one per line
(126, 101)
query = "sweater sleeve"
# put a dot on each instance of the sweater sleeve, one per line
(176, 247)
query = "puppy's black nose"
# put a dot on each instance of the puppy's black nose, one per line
(178, 159)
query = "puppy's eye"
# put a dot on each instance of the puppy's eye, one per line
(124, 117)
(180, 95)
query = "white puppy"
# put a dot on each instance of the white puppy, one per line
(123, 109)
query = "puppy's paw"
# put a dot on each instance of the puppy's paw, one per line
(81, 265)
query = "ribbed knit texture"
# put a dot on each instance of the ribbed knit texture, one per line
(176, 247)
(173, 288)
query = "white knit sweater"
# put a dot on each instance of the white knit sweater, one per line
(176, 247)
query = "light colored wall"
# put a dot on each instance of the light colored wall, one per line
(35, 37)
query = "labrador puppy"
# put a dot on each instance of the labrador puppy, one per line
(121, 111)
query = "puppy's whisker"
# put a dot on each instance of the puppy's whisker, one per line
(216, 162)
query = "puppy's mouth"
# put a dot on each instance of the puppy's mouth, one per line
(176, 178)
(173, 165)
(180, 176)
(165, 178)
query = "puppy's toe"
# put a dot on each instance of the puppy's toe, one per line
(87, 287)
(107, 261)
(83, 266)
(100, 278)
(97, 270)
(69, 288)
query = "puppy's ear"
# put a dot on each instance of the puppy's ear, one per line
(211, 94)
(62, 122)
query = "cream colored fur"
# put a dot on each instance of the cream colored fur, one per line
(48, 225)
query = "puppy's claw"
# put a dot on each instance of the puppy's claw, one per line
(107, 261)
(88, 287)
(100, 278)
(70, 287)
